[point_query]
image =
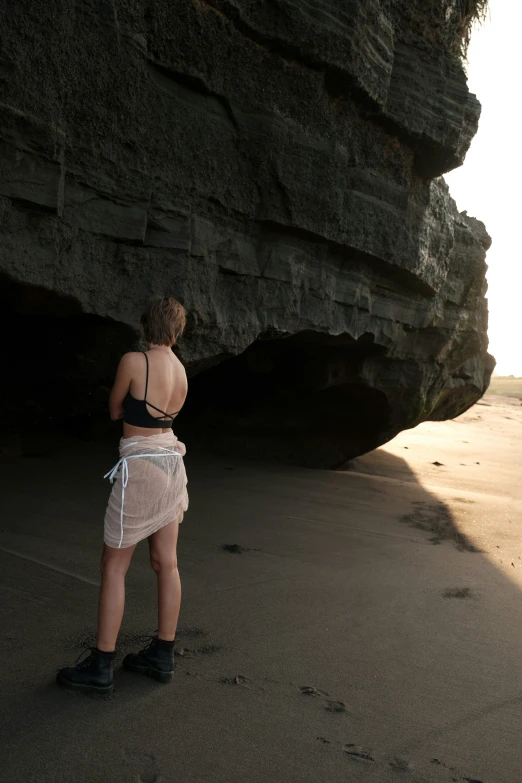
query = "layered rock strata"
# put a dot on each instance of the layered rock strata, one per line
(277, 167)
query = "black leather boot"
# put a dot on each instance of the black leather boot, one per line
(155, 660)
(92, 675)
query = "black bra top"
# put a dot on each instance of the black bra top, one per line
(135, 411)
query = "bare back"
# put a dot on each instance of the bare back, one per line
(166, 390)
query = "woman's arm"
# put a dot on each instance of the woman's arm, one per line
(121, 385)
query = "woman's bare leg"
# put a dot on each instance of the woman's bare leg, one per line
(163, 559)
(114, 565)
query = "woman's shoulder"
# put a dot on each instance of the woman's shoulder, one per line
(131, 360)
(132, 357)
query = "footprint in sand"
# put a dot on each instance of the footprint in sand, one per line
(240, 679)
(400, 765)
(454, 771)
(331, 705)
(309, 690)
(358, 753)
(192, 632)
(335, 706)
(205, 649)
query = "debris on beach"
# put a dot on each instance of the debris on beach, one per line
(458, 592)
(235, 548)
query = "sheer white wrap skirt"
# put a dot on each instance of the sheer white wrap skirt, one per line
(149, 488)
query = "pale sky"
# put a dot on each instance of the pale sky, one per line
(488, 185)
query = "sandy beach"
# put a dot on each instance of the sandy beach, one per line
(357, 625)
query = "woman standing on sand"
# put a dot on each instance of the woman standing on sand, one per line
(148, 500)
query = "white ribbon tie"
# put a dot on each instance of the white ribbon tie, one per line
(123, 462)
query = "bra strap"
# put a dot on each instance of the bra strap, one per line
(147, 376)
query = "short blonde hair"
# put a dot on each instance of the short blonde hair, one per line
(163, 320)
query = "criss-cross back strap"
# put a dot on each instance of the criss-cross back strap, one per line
(169, 415)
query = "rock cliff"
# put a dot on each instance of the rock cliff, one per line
(275, 165)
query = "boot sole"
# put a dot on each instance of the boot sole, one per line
(156, 674)
(101, 690)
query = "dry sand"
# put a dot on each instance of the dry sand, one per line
(369, 630)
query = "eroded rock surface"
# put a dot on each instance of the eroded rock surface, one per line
(275, 166)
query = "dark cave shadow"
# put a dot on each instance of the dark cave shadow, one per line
(52, 717)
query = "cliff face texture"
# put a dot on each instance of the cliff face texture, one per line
(275, 165)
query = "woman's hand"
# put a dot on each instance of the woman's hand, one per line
(118, 416)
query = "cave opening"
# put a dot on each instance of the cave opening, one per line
(291, 398)
(297, 399)
(59, 363)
